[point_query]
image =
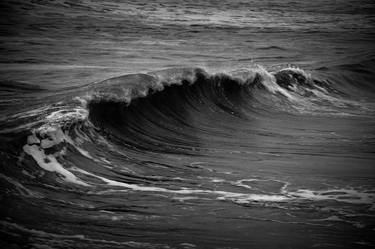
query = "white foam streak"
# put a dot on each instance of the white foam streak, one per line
(47, 137)
(49, 163)
(223, 195)
(340, 195)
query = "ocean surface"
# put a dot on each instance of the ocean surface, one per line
(187, 124)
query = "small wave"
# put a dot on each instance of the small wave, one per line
(271, 48)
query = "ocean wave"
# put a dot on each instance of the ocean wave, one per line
(289, 89)
(134, 124)
(168, 111)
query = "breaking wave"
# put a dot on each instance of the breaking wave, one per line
(173, 133)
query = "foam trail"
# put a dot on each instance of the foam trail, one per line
(36, 146)
(49, 163)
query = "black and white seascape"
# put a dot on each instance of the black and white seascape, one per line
(187, 124)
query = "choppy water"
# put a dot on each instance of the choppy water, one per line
(192, 124)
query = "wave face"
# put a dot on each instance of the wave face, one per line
(185, 158)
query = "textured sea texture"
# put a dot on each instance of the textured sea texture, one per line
(187, 124)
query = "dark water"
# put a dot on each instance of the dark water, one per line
(187, 124)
